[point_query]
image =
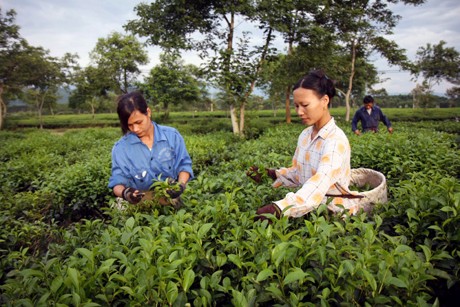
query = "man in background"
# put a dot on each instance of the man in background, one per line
(370, 115)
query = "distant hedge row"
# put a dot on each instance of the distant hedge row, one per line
(205, 122)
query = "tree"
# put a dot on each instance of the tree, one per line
(454, 96)
(437, 63)
(295, 21)
(172, 81)
(209, 27)
(119, 56)
(14, 52)
(361, 27)
(93, 86)
(26, 70)
(422, 95)
(45, 75)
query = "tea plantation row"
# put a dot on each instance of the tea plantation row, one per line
(62, 243)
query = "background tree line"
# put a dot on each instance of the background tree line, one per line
(338, 36)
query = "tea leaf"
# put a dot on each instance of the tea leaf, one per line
(189, 278)
(239, 299)
(426, 251)
(56, 284)
(128, 290)
(370, 279)
(274, 290)
(204, 229)
(396, 282)
(76, 299)
(279, 252)
(402, 249)
(86, 253)
(105, 266)
(171, 292)
(28, 273)
(221, 259)
(322, 254)
(412, 215)
(296, 275)
(73, 275)
(440, 273)
(235, 259)
(130, 223)
(264, 274)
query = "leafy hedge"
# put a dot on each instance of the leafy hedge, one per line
(62, 242)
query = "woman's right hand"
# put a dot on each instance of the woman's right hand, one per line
(255, 174)
(132, 195)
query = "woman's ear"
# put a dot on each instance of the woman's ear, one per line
(149, 112)
(325, 101)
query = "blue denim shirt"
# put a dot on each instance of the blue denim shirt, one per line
(369, 122)
(135, 165)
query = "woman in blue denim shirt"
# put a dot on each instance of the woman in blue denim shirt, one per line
(147, 151)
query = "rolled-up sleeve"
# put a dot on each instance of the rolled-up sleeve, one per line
(288, 176)
(118, 176)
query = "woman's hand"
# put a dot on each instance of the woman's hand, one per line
(132, 195)
(267, 209)
(255, 174)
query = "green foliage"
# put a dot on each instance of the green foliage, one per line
(205, 122)
(119, 56)
(210, 252)
(172, 82)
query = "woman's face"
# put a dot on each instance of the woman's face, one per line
(309, 107)
(140, 123)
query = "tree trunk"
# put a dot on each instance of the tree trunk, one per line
(242, 107)
(350, 81)
(287, 99)
(231, 29)
(40, 103)
(253, 81)
(2, 107)
(287, 103)
(234, 120)
(125, 81)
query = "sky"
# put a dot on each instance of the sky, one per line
(75, 26)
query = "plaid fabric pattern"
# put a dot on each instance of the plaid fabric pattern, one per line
(319, 166)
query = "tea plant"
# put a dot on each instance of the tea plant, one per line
(61, 243)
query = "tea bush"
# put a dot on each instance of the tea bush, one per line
(62, 242)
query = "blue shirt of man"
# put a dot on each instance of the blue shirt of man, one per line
(135, 165)
(370, 116)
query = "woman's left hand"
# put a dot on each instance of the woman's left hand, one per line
(267, 209)
(176, 189)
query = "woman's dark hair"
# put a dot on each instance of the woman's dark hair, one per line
(127, 104)
(317, 81)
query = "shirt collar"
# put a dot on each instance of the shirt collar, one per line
(327, 129)
(365, 110)
(158, 135)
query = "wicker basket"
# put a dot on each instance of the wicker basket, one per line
(378, 194)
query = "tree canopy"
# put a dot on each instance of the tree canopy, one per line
(119, 56)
